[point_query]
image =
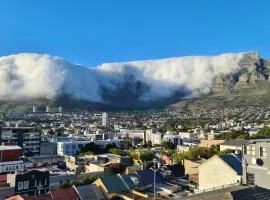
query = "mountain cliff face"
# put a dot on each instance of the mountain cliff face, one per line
(253, 70)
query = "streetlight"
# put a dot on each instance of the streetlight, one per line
(155, 170)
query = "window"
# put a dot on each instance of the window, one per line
(25, 184)
(263, 152)
(253, 151)
(250, 150)
(20, 185)
(247, 150)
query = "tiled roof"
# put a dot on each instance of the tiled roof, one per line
(6, 192)
(64, 193)
(128, 179)
(20, 197)
(89, 192)
(234, 162)
(147, 176)
(234, 142)
(178, 170)
(114, 184)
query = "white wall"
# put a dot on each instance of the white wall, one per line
(215, 172)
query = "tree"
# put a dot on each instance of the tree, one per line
(116, 151)
(87, 180)
(110, 146)
(127, 144)
(226, 152)
(146, 155)
(262, 134)
(117, 168)
(233, 134)
(64, 185)
(167, 145)
(178, 157)
(92, 148)
(134, 155)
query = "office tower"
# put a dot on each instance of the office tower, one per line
(104, 119)
(34, 109)
(48, 109)
(60, 109)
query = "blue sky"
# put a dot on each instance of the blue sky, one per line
(92, 32)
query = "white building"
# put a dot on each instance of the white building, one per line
(104, 119)
(48, 109)
(156, 138)
(186, 135)
(70, 148)
(60, 109)
(182, 148)
(34, 109)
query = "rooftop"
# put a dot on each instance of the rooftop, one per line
(9, 147)
(234, 142)
(256, 141)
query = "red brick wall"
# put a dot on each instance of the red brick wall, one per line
(10, 155)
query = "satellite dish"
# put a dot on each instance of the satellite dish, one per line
(259, 162)
(253, 161)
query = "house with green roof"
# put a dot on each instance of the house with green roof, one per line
(112, 185)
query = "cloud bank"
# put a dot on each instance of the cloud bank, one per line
(24, 76)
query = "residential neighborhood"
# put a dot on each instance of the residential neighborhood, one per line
(120, 156)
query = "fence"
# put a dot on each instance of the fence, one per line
(215, 188)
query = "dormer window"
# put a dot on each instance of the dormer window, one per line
(135, 180)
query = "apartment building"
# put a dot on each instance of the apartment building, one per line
(256, 163)
(28, 138)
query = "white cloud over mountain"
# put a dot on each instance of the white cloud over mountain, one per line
(26, 75)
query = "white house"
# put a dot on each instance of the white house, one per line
(234, 144)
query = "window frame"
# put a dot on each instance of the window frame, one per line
(20, 185)
(263, 151)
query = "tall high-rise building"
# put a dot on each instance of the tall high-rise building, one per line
(48, 109)
(60, 109)
(104, 119)
(34, 109)
(28, 138)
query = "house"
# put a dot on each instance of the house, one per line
(220, 171)
(21, 197)
(234, 144)
(111, 186)
(177, 170)
(192, 169)
(253, 131)
(10, 159)
(211, 143)
(61, 194)
(30, 182)
(89, 192)
(147, 177)
(76, 163)
(143, 181)
(64, 193)
(256, 162)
